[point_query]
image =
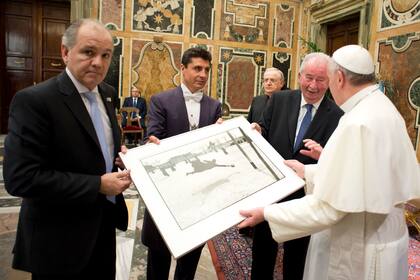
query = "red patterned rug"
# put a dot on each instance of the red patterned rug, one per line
(231, 254)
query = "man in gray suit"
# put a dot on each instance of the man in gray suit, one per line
(173, 112)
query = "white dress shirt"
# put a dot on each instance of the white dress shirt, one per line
(192, 102)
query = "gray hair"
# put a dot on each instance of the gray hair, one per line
(69, 38)
(275, 70)
(354, 78)
(322, 57)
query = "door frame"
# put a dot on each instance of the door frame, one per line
(322, 13)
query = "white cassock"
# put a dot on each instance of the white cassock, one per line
(354, 206)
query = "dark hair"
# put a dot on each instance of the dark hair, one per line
(195, 52)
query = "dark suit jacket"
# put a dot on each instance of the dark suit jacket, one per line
(141, 105)
(53, 160)
(280, 119)
(258, 105)
(257, 108)
(168, 117)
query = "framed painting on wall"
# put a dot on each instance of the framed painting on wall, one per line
(195, 183)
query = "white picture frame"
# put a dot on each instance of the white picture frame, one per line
(195, 183)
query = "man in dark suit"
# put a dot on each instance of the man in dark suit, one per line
(273, 81)
(138, 102)
(173, 112)
(63, 140)
(286, 114)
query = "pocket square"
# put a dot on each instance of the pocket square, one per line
(108, 99)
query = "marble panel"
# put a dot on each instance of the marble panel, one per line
(114, 77)
(157, 67)
(399, 70)
(202, 19)
(244, 21)
(284, 19)
(241, 72)
(395, 13)
(158, 16)
(111, 13)
(282, 61)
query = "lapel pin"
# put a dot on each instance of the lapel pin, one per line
(108, 99)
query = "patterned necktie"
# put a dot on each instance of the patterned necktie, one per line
(95, 115)
(303, 126)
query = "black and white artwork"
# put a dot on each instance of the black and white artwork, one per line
(209, 174)
(195, 183)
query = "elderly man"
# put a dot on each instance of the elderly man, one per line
(273, 81)
(63, 139)
(365, 173)
(173, 112)
(289, 118)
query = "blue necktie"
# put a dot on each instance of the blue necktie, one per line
(133, 115)
(303, 126)
(95, 115)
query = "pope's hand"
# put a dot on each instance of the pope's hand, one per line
(297, 166)
(253, 217)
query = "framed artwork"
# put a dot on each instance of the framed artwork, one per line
(195, 183)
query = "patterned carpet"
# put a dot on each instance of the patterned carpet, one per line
(231, 255)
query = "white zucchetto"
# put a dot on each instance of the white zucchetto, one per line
(355, 59)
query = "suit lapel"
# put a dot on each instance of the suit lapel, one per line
(319, 118)
(183, 114)
(293, 114)
(75, 103)
(204, 112)
(107, 100)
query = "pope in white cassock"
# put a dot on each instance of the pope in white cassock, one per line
(355, 194)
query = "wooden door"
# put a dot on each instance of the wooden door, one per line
(342, 32)
(29, 46)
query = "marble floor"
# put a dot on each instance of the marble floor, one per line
(131, 254)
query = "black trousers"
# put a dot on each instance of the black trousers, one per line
(159, 262)
(102, 261)
(264, 253)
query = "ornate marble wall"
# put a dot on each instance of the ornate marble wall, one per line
(390, 29)
(396, 47)
(245, 37)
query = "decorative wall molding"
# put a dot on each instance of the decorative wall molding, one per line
(112, 13)
(396, 13)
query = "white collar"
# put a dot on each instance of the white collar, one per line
(315, 105)
(79, 86)
(356, 98)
